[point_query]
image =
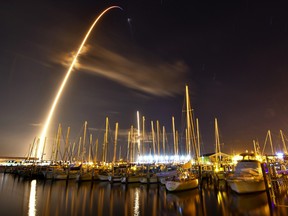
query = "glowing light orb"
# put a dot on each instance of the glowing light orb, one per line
(51, 112)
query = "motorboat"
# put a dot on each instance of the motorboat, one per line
(247, 177)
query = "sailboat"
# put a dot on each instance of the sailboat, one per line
(115, 175)
(219, 174)
(183, 181)
(186, 180)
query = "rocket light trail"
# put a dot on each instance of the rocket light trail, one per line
(47, 123)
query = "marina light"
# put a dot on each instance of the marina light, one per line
(56, 99)
(280, 155)
(176, 158)
(141, 158)
(163, 159)
(188, 157)
(156, 158)
(236, 158)
(150, 158)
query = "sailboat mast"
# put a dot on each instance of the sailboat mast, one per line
(271, 144)
(115, 142)
(177, 142)
(37, 145)
(106, 140)
(31, 149)
(143, 135)
(90, 148)
(84, 141)
(138, 133)
(163, 142)
(188, 121)
(283, 141)
(79, 148)
(153, 138)
(58, 141)
(96, 151)
(43, 150)
(255, 149)
(128, 146)
(66, 144)
(158, 137)
(132, 141)
(174, 135)
(198, 136)
(187, 141)
(120, 153)
(72, 152)
(217, 144)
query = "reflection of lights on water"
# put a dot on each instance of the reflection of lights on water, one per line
(219, 198)
(136, 206)
(32, 199)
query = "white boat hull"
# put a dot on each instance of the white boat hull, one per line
(246, 186)
(181, 185)
(103, 177)
(114, 178)
(247, 177)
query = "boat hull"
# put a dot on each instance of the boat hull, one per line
(114, 178)
(103, 177)
(247, 186)
(181, 185)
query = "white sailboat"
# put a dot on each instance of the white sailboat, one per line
(184, 181)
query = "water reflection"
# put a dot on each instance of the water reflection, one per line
(255, 204)
(136, 203)
(185, 203)
(19, 197)
(32, 199)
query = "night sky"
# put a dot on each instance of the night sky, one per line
(232, 54)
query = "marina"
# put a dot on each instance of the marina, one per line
(47, 197)
(181, 183)
(168, 189)
(130, 122)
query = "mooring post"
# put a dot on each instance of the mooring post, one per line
(267, 186)
(200, 176)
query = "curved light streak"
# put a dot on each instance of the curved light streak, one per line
(49, 117)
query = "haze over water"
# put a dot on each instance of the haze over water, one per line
(37, 197)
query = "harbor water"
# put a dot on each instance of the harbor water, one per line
(20, 196)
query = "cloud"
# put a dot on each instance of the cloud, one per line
(142, 71)
(36, 124)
